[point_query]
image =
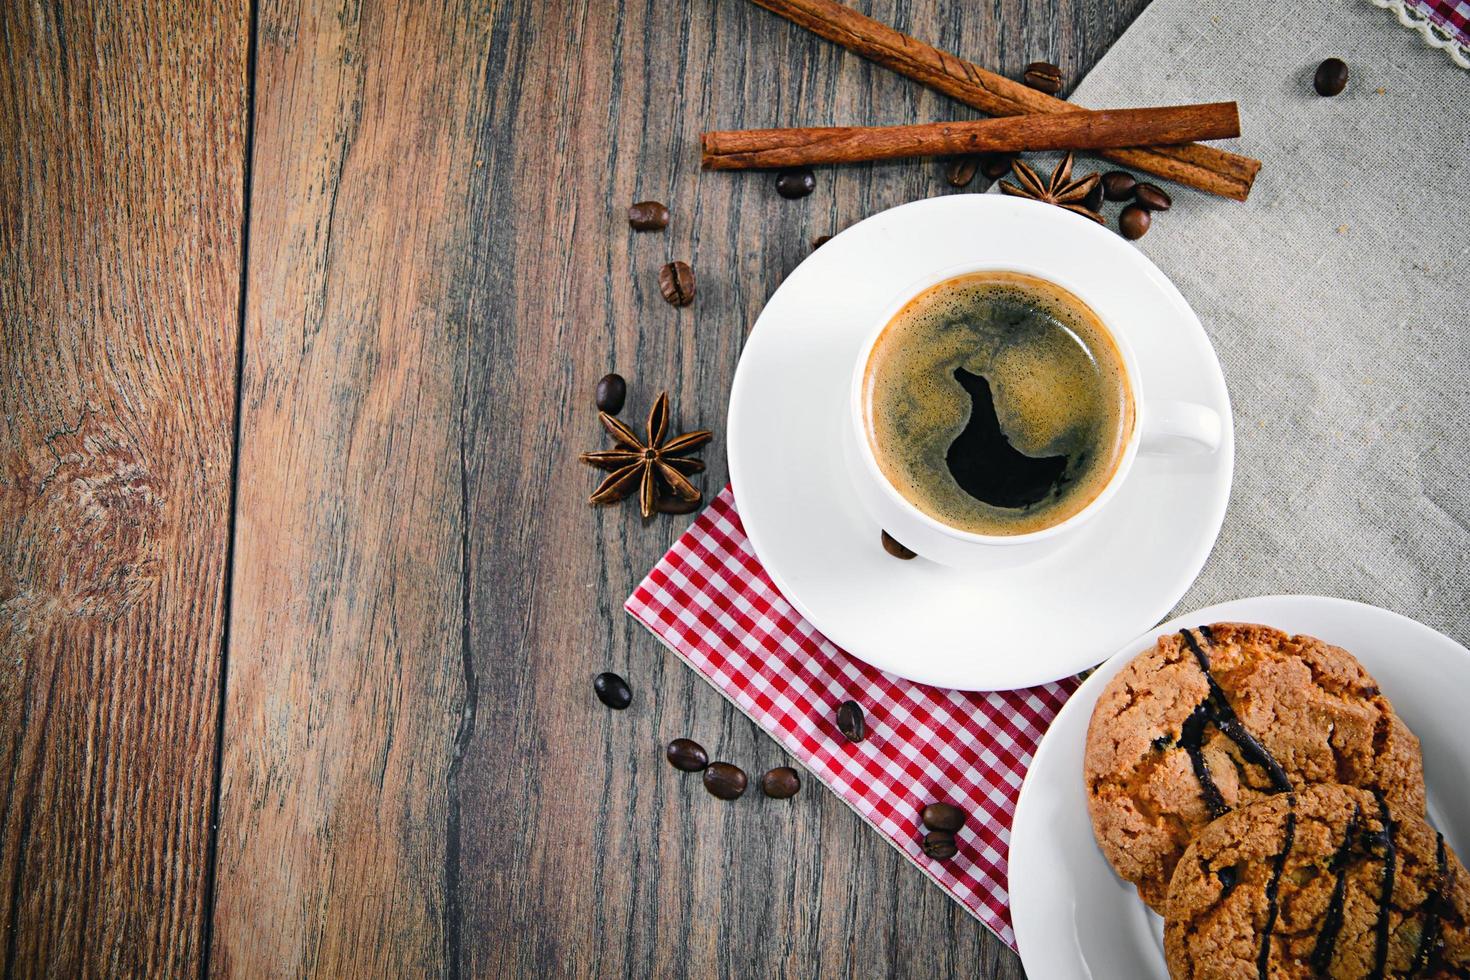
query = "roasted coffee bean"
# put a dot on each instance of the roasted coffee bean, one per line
(1093, 200)
(781, 784)
(612, 391)
(687, 755)
(1133, 222)
(676, 282)
(939, 844)
(1331, 77)
(962, 170)
(819, 241)
(1044, 77)
(1151, 197)
(1118, 185)
(996, 165)
(850, 721)
(943, 816)
(648, 216)
(674, 504)
(796, 182)
(891, 545)
(724, 780)
(612, 690)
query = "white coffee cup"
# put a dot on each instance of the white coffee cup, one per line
(1159, 428)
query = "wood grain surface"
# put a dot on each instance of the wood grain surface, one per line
(120, 210)
(415, 778)
(583, 851)
(347, 679)
(416, 775)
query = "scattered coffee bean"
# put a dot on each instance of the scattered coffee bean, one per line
(648, 216)
(687, 755)
(819, 241)
(674, 504)
(1093, 200)
(939, 844)
(1118, 185)
(996, 165)
(1133, 222)
(891, 545)
(962, 170)
(781, 783)
(796, 182)
(850, 721)
(612, 690)
(724, 780)
(1331, 77)
(676, 282)
(943, 816)
(612, 391)
(1044, 77)
(1151, 197)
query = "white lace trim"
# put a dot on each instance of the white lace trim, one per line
(1434, 35)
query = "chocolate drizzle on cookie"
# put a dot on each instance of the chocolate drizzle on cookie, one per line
(1332, 920)
(1215, 710)
(1273, 888)
(1383, 838)
(1427, 956)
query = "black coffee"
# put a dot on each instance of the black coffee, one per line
(997, 403)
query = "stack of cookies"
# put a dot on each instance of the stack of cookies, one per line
(1264, 798)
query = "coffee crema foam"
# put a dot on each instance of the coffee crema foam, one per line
(1059, 390)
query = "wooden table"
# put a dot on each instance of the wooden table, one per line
(300, 598)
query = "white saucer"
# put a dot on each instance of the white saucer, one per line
(972, 630)
(1074, 918)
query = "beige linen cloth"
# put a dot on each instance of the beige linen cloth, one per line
(1338, 297)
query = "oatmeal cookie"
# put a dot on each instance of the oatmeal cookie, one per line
(1215, 717)
(1323, 882)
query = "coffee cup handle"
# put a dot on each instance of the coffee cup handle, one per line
(1180, 429)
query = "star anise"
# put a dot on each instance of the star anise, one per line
(1060, 190)
(647, 466)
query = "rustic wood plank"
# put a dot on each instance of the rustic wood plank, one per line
(586, 850)
(416, 777)
(346, 683)
(120, 209)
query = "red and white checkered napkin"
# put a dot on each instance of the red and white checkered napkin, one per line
(1452, 17)
(710, 601)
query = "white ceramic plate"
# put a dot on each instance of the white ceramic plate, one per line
(1074, 918)
(973, 630)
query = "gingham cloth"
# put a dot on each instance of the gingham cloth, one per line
(1452, 14)
(1452, 17)
(711, 603)
(1444, 24)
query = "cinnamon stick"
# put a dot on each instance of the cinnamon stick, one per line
(1105, 129)
(1205, 168)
